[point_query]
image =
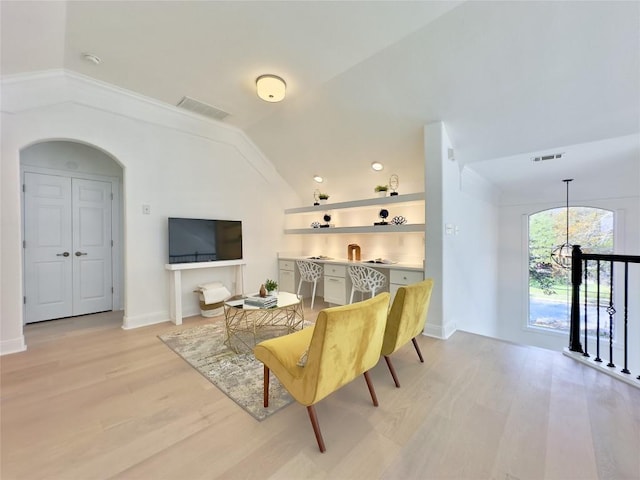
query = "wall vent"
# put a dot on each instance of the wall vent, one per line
(200, 108)
(544, 158)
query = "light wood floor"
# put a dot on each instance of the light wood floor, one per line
(90, 400)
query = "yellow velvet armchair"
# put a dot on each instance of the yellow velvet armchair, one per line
(344, 343)
(406, 320)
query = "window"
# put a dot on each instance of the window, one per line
(549, 283)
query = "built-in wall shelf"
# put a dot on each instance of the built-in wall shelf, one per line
(414, 227)
(368, 202)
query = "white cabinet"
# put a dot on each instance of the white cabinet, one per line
(337, 284)
(288, 276)
(398, 278)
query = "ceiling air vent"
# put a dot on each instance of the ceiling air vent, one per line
(200, 108)
(544, 158)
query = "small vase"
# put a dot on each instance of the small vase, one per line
(323, 201)
(382, 193)
(273, 293)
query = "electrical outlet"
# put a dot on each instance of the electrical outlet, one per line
(146, 209)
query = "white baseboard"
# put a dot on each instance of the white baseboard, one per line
(137, 321)
(14, 345)
(439, 331)
(602, 367)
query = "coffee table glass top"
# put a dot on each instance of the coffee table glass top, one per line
(285, 299)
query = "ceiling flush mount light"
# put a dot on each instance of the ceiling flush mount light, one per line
(377, 166)
(90, 57)
(562, 253)
(271, 88)
(318, 179)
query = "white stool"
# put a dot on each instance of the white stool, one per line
(366, 280)
(309, 272)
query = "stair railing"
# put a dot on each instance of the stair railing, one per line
(579, 271)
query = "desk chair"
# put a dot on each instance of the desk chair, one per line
(365, 280)
(309, 272)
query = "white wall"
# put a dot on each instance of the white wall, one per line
(473, 251)
(461, 242)
(179, 163)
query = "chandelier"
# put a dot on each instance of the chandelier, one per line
(561, 254)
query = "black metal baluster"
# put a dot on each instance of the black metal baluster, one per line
(598, 359)
(611, 311)
(586, 328)
(626, 314)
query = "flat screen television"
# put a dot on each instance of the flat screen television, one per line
(200, 240)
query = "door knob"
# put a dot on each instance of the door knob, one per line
(65, 254)
(79, 254)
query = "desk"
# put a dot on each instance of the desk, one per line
(244, 323)
(337, 284)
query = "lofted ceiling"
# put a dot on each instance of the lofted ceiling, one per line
(510, 80)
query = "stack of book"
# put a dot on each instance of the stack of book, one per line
(262, 302)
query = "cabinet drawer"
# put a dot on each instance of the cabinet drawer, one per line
(287, 265)
(287, 281)
(335, 270)
(405, 277)
(335, 290)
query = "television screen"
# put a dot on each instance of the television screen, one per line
(199, 240)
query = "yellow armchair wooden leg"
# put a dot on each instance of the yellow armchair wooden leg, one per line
(392, 370)
(415, 344)
(316, 428)
(371, 390)
(266, 386)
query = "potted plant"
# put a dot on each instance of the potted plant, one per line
(381, 190)
(323, 197)
(271, 286)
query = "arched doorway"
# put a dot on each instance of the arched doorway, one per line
(72, 230)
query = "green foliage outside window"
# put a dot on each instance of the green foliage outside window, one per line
(592, 229)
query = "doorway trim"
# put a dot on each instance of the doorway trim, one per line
(117, 230)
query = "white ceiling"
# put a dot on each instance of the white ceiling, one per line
(509, 79)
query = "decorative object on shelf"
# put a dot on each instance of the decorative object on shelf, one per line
(315, 224)
(381, 190)
(327, 219)
(316, 197)
(562, 253)
(409, 204)
(323, 197)
(263, 291)
(394, 183)
(383, 214)
(353, 252)
(271, 286)
(398, 220)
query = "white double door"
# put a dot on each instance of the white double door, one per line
(68, 248)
